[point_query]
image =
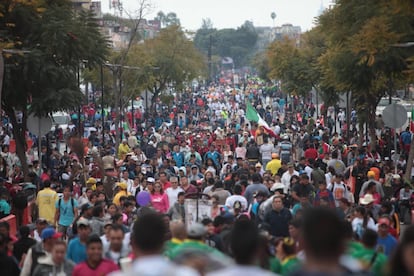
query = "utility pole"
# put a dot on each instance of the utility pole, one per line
(102, 106)
(1, 78)
(210, 45)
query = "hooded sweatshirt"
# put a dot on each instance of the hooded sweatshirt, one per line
(46, 266)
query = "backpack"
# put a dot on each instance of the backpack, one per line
(71, 202)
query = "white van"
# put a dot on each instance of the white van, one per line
(63, 120)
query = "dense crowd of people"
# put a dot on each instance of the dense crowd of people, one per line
(298, 199)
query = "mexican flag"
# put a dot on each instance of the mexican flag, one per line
(253, 116)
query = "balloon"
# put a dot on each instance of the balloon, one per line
(143, 198)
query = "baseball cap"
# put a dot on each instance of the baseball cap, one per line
(151, 179)
(122, 185)
(50, 233)
(82, 221)
(385, 221)
(371, 174)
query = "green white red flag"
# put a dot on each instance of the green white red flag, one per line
(253, 116)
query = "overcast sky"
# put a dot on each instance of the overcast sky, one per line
(233, 13)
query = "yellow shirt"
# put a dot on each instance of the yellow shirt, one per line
(118, 196)
(273, 166)
(46, 200)
(123, 149)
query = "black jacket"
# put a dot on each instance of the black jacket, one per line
(22, 246)
(278, 222)
(8, 266)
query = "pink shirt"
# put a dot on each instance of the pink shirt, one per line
(104, 268)
(160, 202)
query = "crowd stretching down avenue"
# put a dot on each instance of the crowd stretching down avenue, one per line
(221, 183)
(226, 178)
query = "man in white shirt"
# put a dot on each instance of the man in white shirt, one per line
(172, 192)
(126, 180)
(286, 176)
(266, 150)
(231, 200)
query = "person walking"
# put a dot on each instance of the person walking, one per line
(46, 202)
(66, 211)
(44, 248)
(8, 266)
(255, 187)
(278, 218)
(55, 263)
(94, 264)
(77, 246)
(147, 241)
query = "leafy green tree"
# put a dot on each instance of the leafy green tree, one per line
(235, 43)
(167, 19)
(261, 63)
(289, 65)
(168, 59)
(45, 78)
(359, 56)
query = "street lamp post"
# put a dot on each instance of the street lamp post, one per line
(146, 101)
(132, 113)
(79, 108)
(120, 104)
(1, 78)
(102, 106)
(80, 126)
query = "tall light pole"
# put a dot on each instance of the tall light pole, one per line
(102, 106)
(1, 78)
